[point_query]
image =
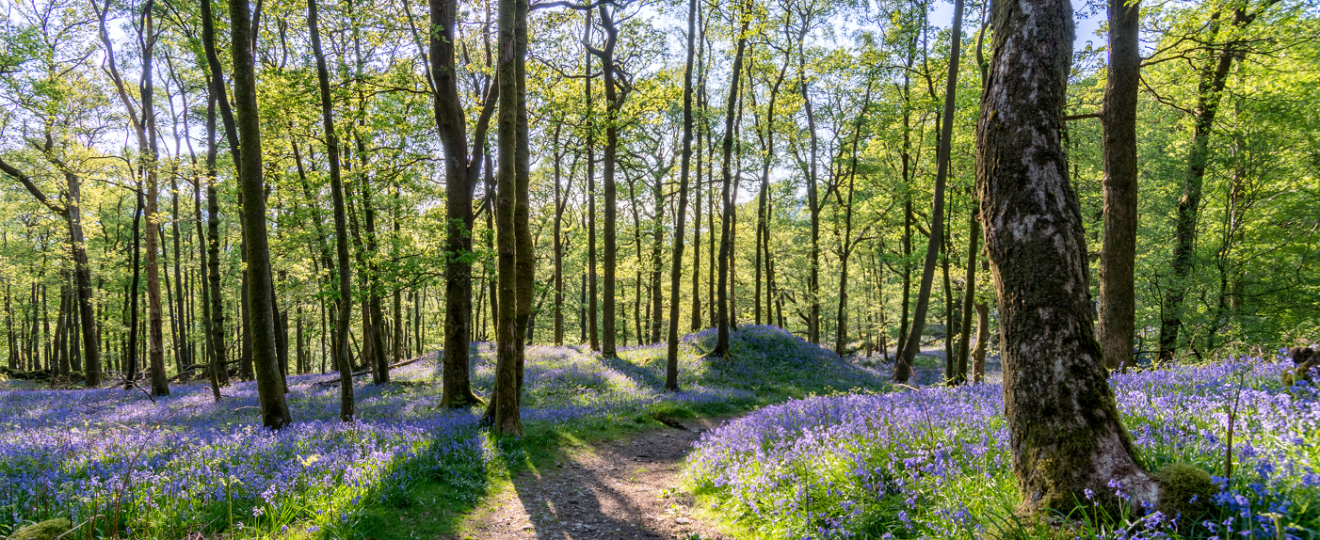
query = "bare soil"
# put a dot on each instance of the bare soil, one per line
(624, 489)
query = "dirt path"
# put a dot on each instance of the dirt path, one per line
(617, 490)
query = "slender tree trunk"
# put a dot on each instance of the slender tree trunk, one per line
(969, 297)
(613, 104)
(181, 338)
(1065, 433)
(592, 331)
(559, 242)
(1211, 89)
(982, 342)
(912, 345)
(726, 240)
(676, 267)
(503, 412)
(344, 292)
(696, 209)
(217, 305)
(274, 409)
(1118, 307)
(132, 354)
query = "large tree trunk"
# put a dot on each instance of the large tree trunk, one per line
(274, 409)
(912, 345)
(1065, 432)
(726, 240)
(525, 261)
(345, 293)
(676, 267)
(1118, 307)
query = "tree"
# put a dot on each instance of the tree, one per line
(1065, 433)
(345, 299)
(616, 91)
(1213, 78)
(912, 345)
(461, 172)
(726, 195)
(676, 268)
(1118, 306)
(145, 128)
(505, 400)
(260, 293)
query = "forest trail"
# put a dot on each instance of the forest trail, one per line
(622, 489)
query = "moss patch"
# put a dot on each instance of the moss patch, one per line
(46, 530)
(1186, 491)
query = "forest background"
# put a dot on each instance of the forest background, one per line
(835, 128)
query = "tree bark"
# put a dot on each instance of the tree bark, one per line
(1065, 433)
(503, 413)
(461, 173)
(593, 333)
(613, 104)
(274, 409)
(1118, 307)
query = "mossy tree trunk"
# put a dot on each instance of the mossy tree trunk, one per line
(1065, 432)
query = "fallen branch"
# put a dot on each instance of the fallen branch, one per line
(366, 371)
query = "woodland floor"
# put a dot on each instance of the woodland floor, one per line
(626, 488)
(622, 489)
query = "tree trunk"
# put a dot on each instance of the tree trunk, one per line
(461, 172)
(217, 305)
(82, 274)
(1065, 432)
(130, 372)
(912, 345)
(1211, 89)
(613, 104)
(1118, 308)
(560, 201)
(592, 331)
(813, 198)
(696, 189)
(969, 298)
(503, 412)
(274, 409)
(726, 240)
(982, 341)
(525, 261)
(676, 267)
